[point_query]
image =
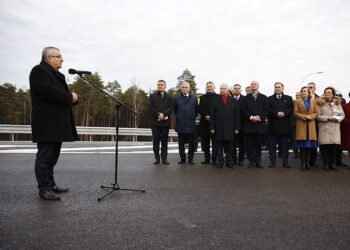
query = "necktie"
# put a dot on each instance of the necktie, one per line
(279, 97)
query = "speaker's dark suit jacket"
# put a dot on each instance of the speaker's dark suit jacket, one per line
(52, 118)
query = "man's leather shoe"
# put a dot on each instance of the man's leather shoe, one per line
(258, 165)
(181, 162)
(205, 162)
(220, 165)
(230, 166)
(165, 162)
(240, 163)
(49, 195)
(190, 162)
(332, 167)
(286, 165)
(156, 162)
(56, 189)
(272, 165)
(251, 164)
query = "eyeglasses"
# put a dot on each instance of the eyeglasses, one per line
(56, 56)
(310, 87)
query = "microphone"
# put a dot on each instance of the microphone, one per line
(79, 72)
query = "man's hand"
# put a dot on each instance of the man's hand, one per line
(74, 97)
(236, 131)
(212, 131)
(280, 114)
(160, 116)
(207, 117)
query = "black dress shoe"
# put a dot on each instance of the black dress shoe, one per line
(205, 162)
(272, 165)
(57, 189)
(190, 162)
(258, 165)
(286, 165)
(251, 164)
(220, 165)
(240, 163)
(165, 162)
(49, 195)
(341, 164)
(230, 166)
(332, 167)
(181, 162)
(156, 162)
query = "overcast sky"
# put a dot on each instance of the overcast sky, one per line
(222, 41)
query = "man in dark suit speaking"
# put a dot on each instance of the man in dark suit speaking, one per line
(52, 119)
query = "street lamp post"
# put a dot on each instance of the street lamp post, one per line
(310, 74)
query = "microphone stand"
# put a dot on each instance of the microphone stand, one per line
(114, 186)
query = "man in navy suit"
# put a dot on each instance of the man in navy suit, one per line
(186, 110)
(254, 109)
(239, 140)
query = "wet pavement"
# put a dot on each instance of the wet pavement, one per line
(184, 206)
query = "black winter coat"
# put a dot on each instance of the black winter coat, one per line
(251, 107)
(205, 103)
(52, 118)
(224, 118)
(186, 110)
(159, 104)
(280, 126)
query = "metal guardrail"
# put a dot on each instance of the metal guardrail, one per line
(26, 129)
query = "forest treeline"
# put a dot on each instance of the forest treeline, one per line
(94, 108)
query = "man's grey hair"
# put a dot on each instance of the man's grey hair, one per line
(224, 85)
(46, 51)
(186, 83)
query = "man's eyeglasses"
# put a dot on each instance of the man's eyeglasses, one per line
(56, 56)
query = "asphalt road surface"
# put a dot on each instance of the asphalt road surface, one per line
(184, 207)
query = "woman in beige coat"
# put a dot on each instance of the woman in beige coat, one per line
(330, 114)
(305, 112)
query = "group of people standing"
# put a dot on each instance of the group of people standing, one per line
(235, 125)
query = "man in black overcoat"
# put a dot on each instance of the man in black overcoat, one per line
(205, 103)
(254, 108)
(161, 107)
(239, 140)
(281, 108)
(224, 124)
(52, 119)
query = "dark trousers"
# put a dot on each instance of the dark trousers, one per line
(224, 146)
(238, 142)
(254, 143)
(182, 139)
(206, 147)
(282, 141)
(160, 134)
(328, 153)
(46, 159)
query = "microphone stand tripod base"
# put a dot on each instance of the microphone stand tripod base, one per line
(115, 187)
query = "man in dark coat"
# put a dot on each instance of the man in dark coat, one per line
(254, 110)
(281, 108)
(161, 107)
(52, 118)
(239, 140)
(186, 110)
(224, 124)
(205, 104)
